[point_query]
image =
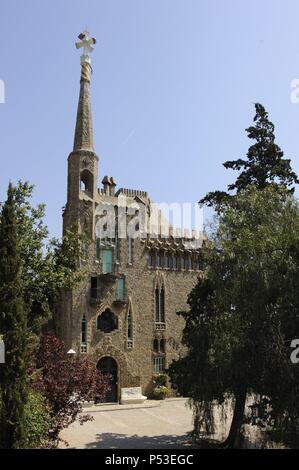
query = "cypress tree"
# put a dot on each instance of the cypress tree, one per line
(13, 328)
(264, 164)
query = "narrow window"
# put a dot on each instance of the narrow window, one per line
(162, 305)
(158, 260)
(175, 264)
(120, 289)
(157, 304)
(116, 241)
(83, 335)
(130, 329)
(83, 330)
(170, 262)
(130, 250)
(150, 260)
(166, 261)
(162, 345)
(156, 345)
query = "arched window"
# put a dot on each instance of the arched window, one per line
(107, 321)
(158, 260)
(157, 304)
(170, 262)
(130, 329)
(160, 305)
(83, 335)
(86, 182)
(175, 263)
(83, 330)
(166, 261)
(150, 260)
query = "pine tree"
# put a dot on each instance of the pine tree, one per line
(13, 328)
(264, 164)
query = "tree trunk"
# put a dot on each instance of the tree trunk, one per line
(233, 439)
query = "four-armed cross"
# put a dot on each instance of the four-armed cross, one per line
(86, 42)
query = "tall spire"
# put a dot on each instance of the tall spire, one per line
(84, 130)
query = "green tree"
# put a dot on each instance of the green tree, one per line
(32, 277)
(264, 163)
(242, 316)
(49, 267)
(13, 327)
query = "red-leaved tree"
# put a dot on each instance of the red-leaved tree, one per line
(66, 382)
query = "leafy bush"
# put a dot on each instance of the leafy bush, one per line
(37, 421)
(161, 392)
(161, 380)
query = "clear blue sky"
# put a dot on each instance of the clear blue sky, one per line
(172, 91)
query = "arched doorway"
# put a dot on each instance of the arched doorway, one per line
(107, 365)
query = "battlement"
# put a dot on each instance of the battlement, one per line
(131, 192)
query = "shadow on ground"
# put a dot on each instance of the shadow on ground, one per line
(123, 441)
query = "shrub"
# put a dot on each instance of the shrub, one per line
(161, 392)
(37, 421)
(161, 380)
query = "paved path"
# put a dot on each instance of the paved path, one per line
(153, 425)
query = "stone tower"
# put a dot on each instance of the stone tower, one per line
(82, 161)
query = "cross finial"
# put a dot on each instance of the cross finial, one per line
(85, 42)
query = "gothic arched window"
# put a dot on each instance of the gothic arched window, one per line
(160, 305)
(129, 327)
(157, 304)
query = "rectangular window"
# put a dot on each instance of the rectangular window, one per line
(107, 261)
(159, 364)
(120, 289)
(130, 250)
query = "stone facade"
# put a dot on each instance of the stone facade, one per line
(126, 309)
